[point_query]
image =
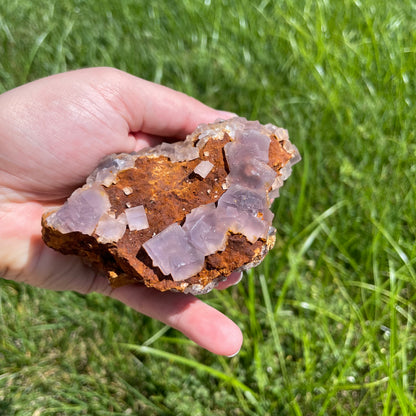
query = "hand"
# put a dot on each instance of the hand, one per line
(53, 132)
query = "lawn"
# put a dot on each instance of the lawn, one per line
(329, 316)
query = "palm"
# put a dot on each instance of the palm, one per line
(68, 130)
(53, 133)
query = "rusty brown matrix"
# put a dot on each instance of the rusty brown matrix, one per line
(179, 216)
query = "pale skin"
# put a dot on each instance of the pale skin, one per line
(53, 132)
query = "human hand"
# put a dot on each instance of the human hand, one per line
(53, 133)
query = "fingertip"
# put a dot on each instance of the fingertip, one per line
(233, 355)
(235, 347)
(200, 322)
(225, 338)
(233, 279)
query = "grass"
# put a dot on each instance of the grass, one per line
(329, 317)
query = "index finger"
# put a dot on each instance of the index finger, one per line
(200, 322)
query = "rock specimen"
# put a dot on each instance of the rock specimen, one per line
(179, 216)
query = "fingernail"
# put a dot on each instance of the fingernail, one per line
(233, 355)
(239, 279)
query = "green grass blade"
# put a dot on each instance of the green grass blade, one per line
(193, 364)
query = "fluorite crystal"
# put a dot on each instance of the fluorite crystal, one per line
(107, 170)
(182, 215)
(174, 254)
(109, 229)
(136, 218)
(82, 211)
(176, 152)
(203, 168)
(247, 211)
(206, 230)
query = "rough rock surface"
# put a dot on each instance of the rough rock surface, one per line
(179, 216)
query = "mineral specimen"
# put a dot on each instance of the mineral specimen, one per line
(179, 216)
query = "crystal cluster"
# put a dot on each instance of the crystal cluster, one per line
(106, 172)
(88, 211)
(173, 253)
(243, 208)
(176, 152)
(181, 215)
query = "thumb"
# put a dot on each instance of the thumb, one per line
(152, 108)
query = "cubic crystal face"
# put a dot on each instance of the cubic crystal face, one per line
(136, 218)
(205, 230)
(203, 168)
(172, 252)
(179, 216)
(247, 212)
(109, 229)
